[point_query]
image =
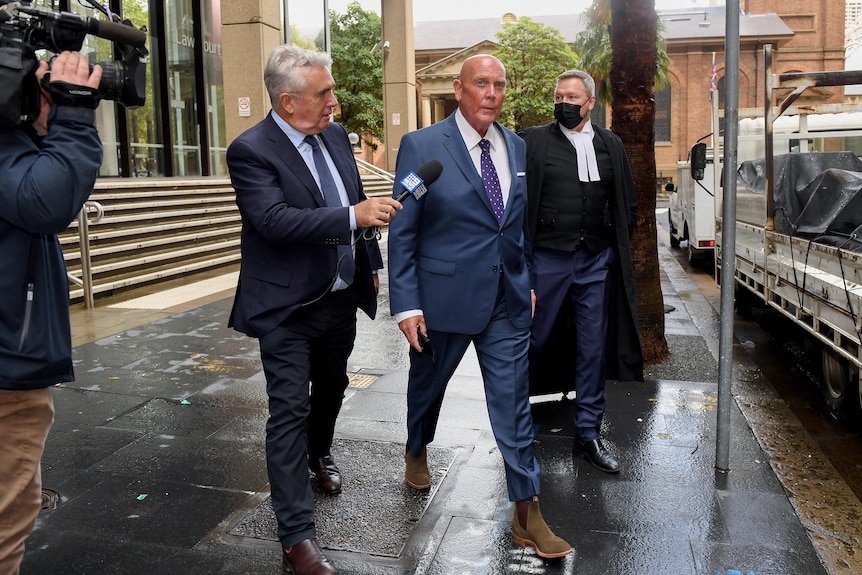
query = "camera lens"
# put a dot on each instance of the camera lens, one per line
(112, 80)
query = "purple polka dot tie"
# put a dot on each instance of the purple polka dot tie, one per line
(490, 179)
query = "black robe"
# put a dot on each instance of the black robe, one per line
(623, 351)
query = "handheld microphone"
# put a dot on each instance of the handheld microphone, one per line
(416, 182)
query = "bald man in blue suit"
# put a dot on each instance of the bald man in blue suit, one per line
(459, 273)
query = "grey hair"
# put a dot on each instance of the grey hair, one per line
(280, 75)
(589, 83)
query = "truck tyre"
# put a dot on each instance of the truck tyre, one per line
(839, 384)
(694, 256)
(743, 300)
(674, 240)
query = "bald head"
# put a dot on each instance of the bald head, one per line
(480, 89)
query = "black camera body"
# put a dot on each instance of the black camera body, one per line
(25, 28)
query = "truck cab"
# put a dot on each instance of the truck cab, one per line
(691, 212)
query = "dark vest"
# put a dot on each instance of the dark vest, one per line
(574, 214)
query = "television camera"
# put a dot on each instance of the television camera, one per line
(26, 28)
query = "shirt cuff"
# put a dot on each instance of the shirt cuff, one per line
(402, 315)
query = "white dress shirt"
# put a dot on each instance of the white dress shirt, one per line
(499, 153)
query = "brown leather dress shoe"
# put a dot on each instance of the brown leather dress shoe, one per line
(306, 558)
(326, 474)
(416, 473)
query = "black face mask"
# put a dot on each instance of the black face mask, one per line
(569, 115)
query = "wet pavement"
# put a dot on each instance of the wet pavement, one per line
(157, 454)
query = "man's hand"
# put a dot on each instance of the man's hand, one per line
(72, 83)
(408, 328)
(375, 212)
(74, 68)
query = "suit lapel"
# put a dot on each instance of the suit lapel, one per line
(342, 164)
(513, 173)
(287, 153)
(457, 149)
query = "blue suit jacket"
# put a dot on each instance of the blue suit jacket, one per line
(289, 236)
(446, 248)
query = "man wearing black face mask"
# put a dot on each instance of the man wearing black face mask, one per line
(582, 207)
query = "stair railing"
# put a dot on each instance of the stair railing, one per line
(86, 279)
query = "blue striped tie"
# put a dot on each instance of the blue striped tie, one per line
(346, 267)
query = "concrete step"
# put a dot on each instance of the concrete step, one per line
(156, 229)
(375, 185)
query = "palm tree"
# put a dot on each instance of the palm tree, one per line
(632, 83)
(593, 46)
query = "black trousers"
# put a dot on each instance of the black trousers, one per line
(305, 363)
(582, 278)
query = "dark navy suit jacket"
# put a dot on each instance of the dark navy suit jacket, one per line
(289, 236)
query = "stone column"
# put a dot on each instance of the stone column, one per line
(439, 110)
(251, 29)
(399, 75)
(426, 111)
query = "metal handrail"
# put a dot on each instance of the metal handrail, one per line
(86, 279)
(371, 168)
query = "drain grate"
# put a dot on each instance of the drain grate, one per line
(375, 514)
(361, 380)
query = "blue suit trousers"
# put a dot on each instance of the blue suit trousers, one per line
(502, 350)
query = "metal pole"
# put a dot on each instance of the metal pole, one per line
(285, 23)
(327, 33)
(728, 235)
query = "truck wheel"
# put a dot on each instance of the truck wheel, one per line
(694, 256)
(744, 300)
(674, 240)
(839, 384)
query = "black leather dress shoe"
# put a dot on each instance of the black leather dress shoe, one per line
(306, 558)
(326, 474)
(593, 451)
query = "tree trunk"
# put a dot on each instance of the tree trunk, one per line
(633, 69)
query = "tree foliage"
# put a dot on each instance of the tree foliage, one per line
(534, 55)
(593, 46)
(358, 71)
(297, 38)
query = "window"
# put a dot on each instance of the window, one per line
(308, 23)
(181, 81)
(146, 139)
(214, 86)
(662, 116)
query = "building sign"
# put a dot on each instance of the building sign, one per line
(244, 105)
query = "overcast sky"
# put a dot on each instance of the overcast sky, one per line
(429, 10)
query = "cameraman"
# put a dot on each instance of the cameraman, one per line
(47, 171)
